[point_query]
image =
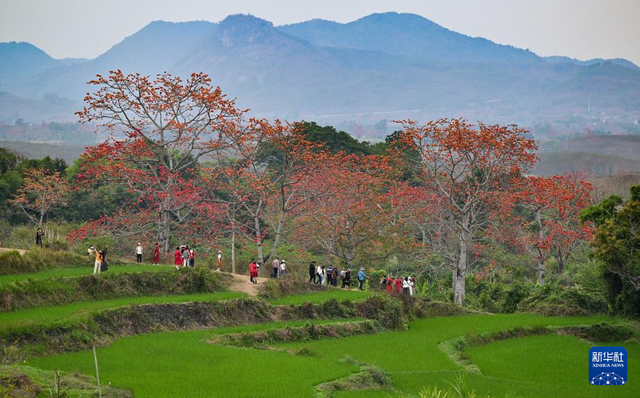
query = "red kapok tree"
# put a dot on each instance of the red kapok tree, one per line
(470, 167)
(160, 128)
(542, 218)
(41, 192)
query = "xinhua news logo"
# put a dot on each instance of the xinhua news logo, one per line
(608, 366)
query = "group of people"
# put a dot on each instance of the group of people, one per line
(398, 285)
(140, 251)
(100, 264)
(279, 268)
(184, 257)
(254, 271)
(329, 275)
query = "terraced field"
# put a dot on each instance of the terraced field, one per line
(284, 349)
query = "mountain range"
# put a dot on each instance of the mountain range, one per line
(383, 66)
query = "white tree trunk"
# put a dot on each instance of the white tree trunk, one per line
(460, 272)
(256, 221)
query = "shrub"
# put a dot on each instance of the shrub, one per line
(604, 332)
(557, 300)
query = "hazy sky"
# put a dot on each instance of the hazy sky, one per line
(578, 28)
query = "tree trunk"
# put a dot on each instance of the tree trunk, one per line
(276, 241)
(233, 248)
(460, 272)
(541, 277)
(560, 260)
(164, 237)
(41, 219)
(256, 221)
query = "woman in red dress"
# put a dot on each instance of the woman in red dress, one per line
(253, 272)
(156, 254)
(390, 285)
(178, 258)
(398, 285)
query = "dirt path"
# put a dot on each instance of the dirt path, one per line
(241, 283)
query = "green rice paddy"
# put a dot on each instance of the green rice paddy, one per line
(182, 364)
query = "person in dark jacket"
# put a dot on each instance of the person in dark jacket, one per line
(312, 272)
(39, 235)
(346, 281)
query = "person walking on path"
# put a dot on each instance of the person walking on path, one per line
(283, 268)
(253, 272)
(398, 285)
(177, 258)
(318, 274)
(389, 285)
(334, 278)
(276, 268)
(362, 277)
(346, 281)
(139, 253)
(411, 285)
(219, 261)
(330, 274)
(39, 236)
(156, 254)
(312, 272)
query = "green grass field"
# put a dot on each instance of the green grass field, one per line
(75, 272)
(181, 364)
(64, 313)
(318, 297)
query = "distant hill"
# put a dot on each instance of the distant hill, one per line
(408, 35)
(19, 61)
(72, 61)
(384, 66)
(618, 61)
(49, 107)
(152, 50)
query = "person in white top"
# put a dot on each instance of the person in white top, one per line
(410, 287)
(319, 273)
(405, 285)
(283, 269)
(139, 253)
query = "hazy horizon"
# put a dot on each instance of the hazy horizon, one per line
(578, 29)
